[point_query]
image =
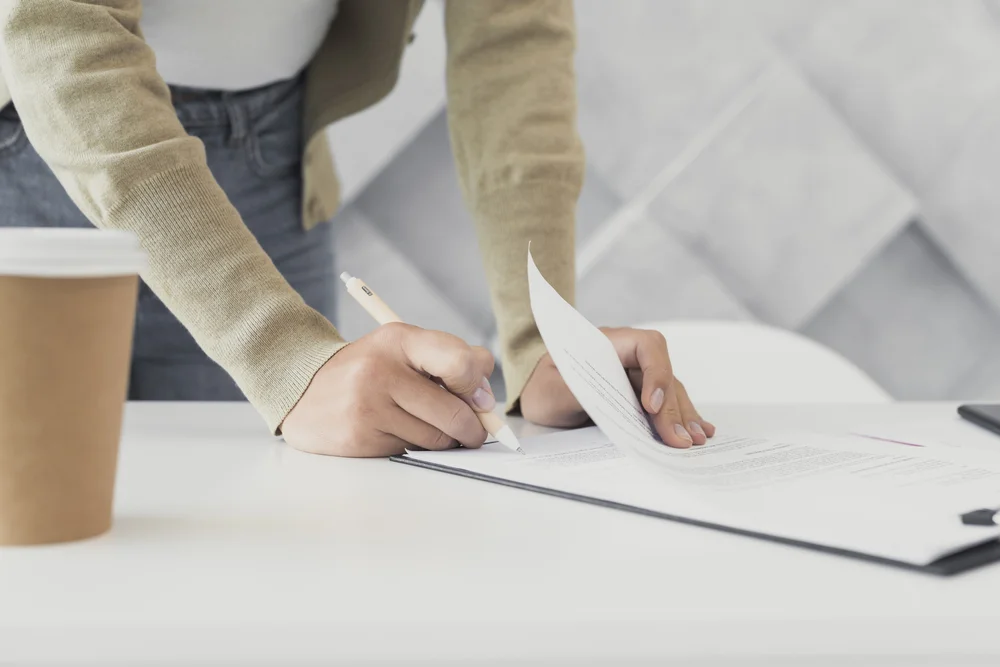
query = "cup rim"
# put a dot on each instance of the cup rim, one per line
(69, 252)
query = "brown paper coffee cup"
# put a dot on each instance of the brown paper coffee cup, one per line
(65, 348)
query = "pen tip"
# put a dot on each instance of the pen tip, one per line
(508, 439)
(520, 451)
(346, 277)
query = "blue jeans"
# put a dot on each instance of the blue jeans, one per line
(254, 145)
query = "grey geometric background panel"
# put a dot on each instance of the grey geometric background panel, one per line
(684, 62)
(829, 166)
(670, 279)
(923, 327)
(738, 199)
(416, 202)
(365, 251)
(962, 208)
(908, 75)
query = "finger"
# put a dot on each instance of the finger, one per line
(375, 444)
(689, 416)
(485, 359)
(417, 432)
(487, 362)
(696, 427)
(459, 366)
(647, 352)
(635, 379)
(696, 424)
(669, 421)
(440, 409)
(477, 401)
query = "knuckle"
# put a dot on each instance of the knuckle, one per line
(466, 355)
(672, 409)
(456, 418)
(461, 363)
(656, 338)
(463, 425)
(396, 328)
(440, 440)
(485, 357)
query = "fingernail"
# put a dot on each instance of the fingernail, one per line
(695, 427)
(656, 400)
(486, 386)
(682, 433)
(483, 400)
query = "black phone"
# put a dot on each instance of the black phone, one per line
(986, 416)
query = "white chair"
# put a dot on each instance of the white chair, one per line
(746, 362)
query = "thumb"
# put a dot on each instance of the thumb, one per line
(462, 369)
(646, 352)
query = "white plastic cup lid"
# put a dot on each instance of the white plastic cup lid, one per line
(53, 252)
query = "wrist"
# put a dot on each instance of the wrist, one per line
(282, 359)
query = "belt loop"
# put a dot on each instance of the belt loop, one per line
(237, 119)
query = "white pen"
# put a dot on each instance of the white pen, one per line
(377, 308)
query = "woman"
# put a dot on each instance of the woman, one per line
(224, 176)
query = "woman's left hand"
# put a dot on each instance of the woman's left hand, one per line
(546, 399)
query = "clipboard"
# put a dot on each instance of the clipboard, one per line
(956, 563)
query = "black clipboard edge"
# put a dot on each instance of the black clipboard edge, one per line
(957, 563)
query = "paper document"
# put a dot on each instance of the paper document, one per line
(847, 492)
(586, 463)
(588, 363)
(940, 432)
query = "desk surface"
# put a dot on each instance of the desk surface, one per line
(230, 545)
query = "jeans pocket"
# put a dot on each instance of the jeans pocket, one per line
(274, 143)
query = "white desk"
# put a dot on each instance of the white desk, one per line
(230, 546)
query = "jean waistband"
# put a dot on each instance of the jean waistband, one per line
(200, 107)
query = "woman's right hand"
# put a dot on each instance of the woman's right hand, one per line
(383, 392)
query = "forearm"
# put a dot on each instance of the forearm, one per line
(512, 114)
(94, 108)
(541, 213)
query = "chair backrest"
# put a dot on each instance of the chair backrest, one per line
(746, 362)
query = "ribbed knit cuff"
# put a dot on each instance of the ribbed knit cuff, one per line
(311, 355)
(212, 274)
(517, 370)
